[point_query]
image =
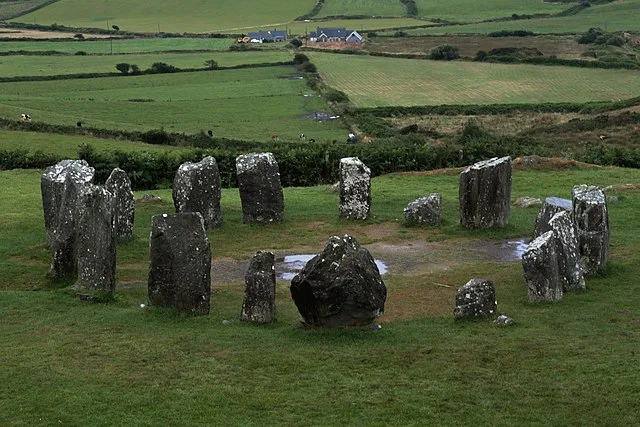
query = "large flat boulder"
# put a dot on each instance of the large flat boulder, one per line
(340, 287)
(355, 189)
(260, 188)
(591, 217)
(197, 188)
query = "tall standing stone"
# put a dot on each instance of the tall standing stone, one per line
(340, 287)
(259, 304)
(260, 189)
(96, 234)
(196, 188)
(540, 265)
(567, 252)
(551, 206)
(60, 186)
(476, 300)
(591, 217)
(355, 189)
(119, 185)
(485, 193)
(180, 263)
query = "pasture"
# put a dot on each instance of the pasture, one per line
(362, 7)
(375, 81)
(11, 8)
(155, 366)
(301, 28)
(468, 10)
(37, 65)
(170, 16)
(251, 104)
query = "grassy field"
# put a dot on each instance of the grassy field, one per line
(61, 354)
(48, 65)
(249, 104)
(469, 10)
(362, 7)
(374, 81)
(170, 16)
(119, 46)
(616, 16)
(11, 8)
(301, 28)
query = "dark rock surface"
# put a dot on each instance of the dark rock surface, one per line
(485, 194)
(180, 263)
(567, 252)
(424, 211)
(260, 189)
(552, 206)
(340, 287)
(591, 217)
(355, 189)
(259, 304)
(196, 188)
(540, 265)
(96, 240)
(476, 299)
(119, 185)
(60, 186)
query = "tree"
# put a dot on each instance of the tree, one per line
(123, 67)
(299, 58)
(445, 52)
(79, 36)
(296, 43)
(135, 70)
(211, 64)
(115, 27)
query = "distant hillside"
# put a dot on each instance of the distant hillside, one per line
(170, 15)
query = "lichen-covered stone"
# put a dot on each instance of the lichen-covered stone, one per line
(260, 188)
(476, 299)
(527, 202)
(567, 252)
(591, 217)
(197, 188)
(504, 320)
(180, 263)
(259, 304)
(355, 189)
(552, 206)
(60, 186)
(340, 287)
(424, 211)
(485, 194)
(119, 185)
(540, 264)
(96, 240)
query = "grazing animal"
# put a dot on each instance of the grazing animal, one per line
(312, 140)
(602, 137)
(274, 137)
(302, 137)
(79, 124)
(210, 132)
(25, 117)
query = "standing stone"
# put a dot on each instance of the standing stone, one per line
(60, 185)
(567, 252)
(260, 189)
(96, 233)
(591, 217)
(355, 189)
(180, 263)
(259, 304)
(119, 185)
(425, 210)
(540, 265)
(196, 188)
(485, 193)
(552, 206)
(340, 287)
(476, 299)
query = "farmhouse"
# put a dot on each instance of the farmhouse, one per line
(335, 35)
(267, 36)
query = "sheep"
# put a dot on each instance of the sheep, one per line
(302, 137)
(210, 133)
(25, 117)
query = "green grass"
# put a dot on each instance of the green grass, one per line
(119, 46)
(616, 16)
(28, 65)
(469, 10)
(373, 81)
(362, 7)
(301, 28)
(249, 104)
(11, 8)
(170, 16)
(422, 368)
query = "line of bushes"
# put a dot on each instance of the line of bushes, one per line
(316, 9)
(412, 8)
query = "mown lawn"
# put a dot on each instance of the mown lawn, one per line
(569, 363)
(374, 81)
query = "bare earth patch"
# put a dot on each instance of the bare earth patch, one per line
(13, 33)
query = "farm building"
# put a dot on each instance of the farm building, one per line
(267, 36)
(335, 35)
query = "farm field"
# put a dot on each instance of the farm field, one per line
(362, 7)
(616, 16)
(170, 16)
(374, 81)
(11, 8)
(119, 45)
(422, 367)
(468, 10)
(301, 28)
(32, 65)
(250, 104)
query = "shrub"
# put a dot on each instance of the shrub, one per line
(590, 36)
(444, 52)
(135, 70)
(80, 53)
(299, 58)
(308, 67)
(78, 36)
(162, 68)
(334, 95)
(123, 67)
(210, 64)
(296, 43)
(400, 34)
